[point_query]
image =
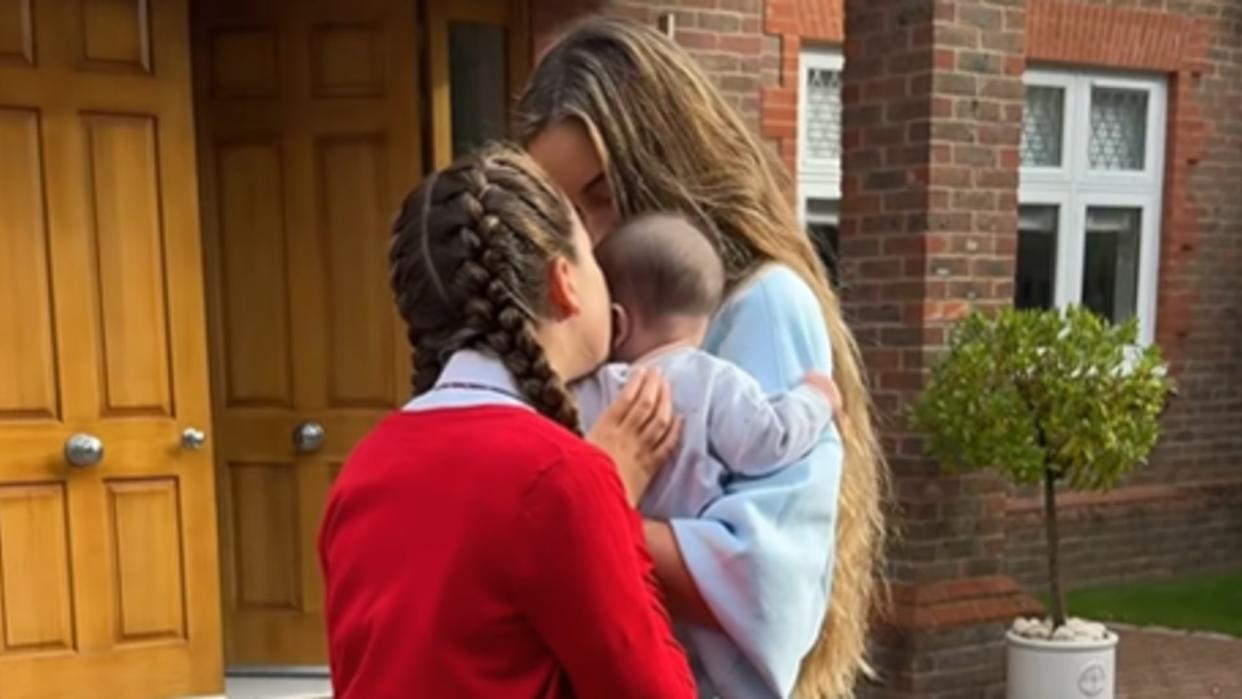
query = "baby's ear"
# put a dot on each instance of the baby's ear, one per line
(620, 325)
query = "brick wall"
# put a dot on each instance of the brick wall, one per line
(960, 663)
(933, 106)
(1132, 534)
(1180, 513)
(727, 37)
(795, 22)
(548, 18)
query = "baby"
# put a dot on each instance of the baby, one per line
(666, 282)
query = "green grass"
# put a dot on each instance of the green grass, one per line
(1200, 603)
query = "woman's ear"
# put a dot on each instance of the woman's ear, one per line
(563, 289)
(620, 326)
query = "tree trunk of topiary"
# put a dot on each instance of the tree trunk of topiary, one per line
(1054, 548)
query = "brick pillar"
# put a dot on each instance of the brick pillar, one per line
(933, 108)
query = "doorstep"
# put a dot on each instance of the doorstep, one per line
(273, 684)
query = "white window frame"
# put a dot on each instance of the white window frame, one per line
(817, 178)
(1074, 187)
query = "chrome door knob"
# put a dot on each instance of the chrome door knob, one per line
(308, 437)
(83, 450)
(193, 439)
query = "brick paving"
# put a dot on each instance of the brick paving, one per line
(1158, 664)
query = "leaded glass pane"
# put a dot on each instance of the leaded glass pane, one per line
(1118, 129)
(823, 114)
(1043, 118)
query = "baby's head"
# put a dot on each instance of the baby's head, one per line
(666, 281)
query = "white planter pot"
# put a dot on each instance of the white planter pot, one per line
(1041, 669)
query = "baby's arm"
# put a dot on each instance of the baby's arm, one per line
(753, 434)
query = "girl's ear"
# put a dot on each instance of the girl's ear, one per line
(620, 326)
(563, 289)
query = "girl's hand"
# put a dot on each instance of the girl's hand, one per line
(828, 387)
(639, 430)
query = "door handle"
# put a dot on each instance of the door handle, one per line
(84, 450)
(308, 437)
(193, 439)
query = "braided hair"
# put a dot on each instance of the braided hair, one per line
(468, 265)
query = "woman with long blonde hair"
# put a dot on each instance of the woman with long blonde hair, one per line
(774, 582)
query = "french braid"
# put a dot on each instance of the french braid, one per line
(469, 259)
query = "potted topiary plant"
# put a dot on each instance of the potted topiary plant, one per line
(1054, 399)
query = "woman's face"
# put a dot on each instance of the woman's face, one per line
(567, 153)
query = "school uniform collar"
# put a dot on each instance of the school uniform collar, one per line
(470, 378)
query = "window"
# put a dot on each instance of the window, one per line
(1089, 199)
(819, 151)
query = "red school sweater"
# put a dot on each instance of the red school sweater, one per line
(487, 552)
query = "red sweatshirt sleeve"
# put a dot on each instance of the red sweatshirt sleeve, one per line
(589, 587)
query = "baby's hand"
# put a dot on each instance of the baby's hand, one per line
(828, 387)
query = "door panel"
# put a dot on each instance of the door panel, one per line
(310, 133)
(114, 35)
(123, 215)
(360, 322)
(16, 37)
(255, 286)
(28, 385)
(34, 582)
(264, 500)
(108, 573)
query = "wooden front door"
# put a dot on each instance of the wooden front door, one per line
(311, 126)
(108, 571)
(309, 138)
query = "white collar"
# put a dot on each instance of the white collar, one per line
(470, 379)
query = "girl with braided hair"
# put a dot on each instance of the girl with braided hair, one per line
(475, 545)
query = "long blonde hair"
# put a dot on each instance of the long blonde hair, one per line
(670, 142)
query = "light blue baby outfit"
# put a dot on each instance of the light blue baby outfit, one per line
(759, 542)
(730, 428)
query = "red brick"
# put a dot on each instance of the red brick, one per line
(944, 59)
(693, 39)
(1115, 37)
(740, 43)
(1001, 88)
(719, 21)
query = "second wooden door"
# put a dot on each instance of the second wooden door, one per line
(311, 124)
(309, 137)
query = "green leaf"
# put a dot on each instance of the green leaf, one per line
(1020, 391)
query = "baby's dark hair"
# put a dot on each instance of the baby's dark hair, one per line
(661, 264)
(469, 258)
